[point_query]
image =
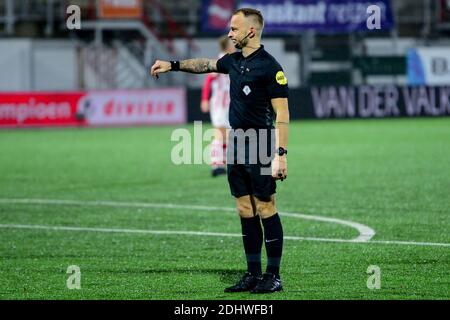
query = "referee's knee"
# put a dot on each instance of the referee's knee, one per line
(245, 207)
(266, 209)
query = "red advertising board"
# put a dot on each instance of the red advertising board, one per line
(120, 9)
(93, 108)
(38, 109)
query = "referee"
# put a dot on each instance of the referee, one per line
(258, 96)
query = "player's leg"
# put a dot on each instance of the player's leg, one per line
(273, 236)
(264, 190)
(222, 134)
(217, 154)
(219, 121)
(273, 233)
(252, 235)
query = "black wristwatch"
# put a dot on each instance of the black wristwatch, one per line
(281, 151)
(174, 65)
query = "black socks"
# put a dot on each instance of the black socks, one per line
(273, 234)
(252, 236)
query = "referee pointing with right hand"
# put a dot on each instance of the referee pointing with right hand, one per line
(258, 96)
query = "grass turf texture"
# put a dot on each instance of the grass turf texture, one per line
(392, 175)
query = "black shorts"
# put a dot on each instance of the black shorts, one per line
(249, 164)
(246, 179)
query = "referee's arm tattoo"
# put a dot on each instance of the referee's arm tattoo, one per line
(201, 65)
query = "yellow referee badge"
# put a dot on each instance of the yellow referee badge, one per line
(281, 79)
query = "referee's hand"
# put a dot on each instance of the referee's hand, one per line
(159, 67)
(279, 168)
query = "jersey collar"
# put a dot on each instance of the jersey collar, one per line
(254, 53)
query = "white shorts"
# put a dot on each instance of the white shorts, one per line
(219, 117)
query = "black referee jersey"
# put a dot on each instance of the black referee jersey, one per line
(254, 81)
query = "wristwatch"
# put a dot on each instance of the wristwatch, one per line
(281, 151)
(174, 65)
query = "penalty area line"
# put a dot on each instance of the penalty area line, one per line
(213, 234)
(365, 233)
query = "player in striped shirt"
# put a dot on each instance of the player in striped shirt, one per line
(216, 101)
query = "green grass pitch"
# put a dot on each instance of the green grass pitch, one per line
(390, 175)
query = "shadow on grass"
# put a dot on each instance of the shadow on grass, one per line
(226, 275)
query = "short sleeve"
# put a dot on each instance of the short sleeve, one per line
(223, 64)
(278, 86)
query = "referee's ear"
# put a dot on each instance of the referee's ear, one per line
(252, 32)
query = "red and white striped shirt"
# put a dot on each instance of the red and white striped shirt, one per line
(216, 90)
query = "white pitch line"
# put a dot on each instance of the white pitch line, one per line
(213, 234)
(115, 230)
(365, 233)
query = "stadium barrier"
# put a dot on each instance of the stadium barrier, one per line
(93, 108)
(428, 66)
(380, 101)
(178, 106)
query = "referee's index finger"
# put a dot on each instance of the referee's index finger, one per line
(156, 64)
(153, 71)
